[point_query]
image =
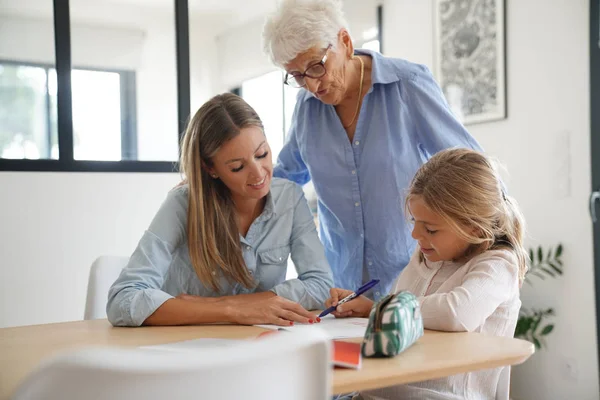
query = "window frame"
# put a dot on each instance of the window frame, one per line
(66, 161)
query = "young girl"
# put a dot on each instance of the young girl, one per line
(467, 269)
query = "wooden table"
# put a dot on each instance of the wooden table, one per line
(435, 355)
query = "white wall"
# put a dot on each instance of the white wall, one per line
(545, 145)
(55, 224)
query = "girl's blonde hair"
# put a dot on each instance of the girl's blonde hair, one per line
(463, 187)
(212, 226)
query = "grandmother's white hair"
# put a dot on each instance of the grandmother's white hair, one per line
(298, 25)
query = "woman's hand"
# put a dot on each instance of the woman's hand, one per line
(274, 310)
(357, 307)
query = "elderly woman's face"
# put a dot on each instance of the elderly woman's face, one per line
(331, 87)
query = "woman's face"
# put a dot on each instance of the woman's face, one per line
(244, 164)
(330, 88)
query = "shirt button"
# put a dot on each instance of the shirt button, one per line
(357, 204)
(353, 172)
(377, 294)
(280, 258)
(248, 247)
(370, 263)
(362, 235)
(357, 143)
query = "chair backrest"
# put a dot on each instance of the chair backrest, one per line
(290, 365)
(104, 272)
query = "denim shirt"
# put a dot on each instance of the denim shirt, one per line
(160, 267)
(361, 185)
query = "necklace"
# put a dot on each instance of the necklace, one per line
(362, 75)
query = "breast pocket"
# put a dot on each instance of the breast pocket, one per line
(276, 256)
(273, 267)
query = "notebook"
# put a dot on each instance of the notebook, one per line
(346, 354)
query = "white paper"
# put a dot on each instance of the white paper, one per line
(335, 328)
(194, 344)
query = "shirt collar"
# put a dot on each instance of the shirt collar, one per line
(382, 71)
(267, 213)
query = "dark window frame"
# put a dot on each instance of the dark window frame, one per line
(66, 161)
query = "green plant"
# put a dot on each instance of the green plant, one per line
(532, 324)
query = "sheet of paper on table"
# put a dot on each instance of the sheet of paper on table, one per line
(335, 328)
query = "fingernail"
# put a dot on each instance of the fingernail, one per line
(318, 319)
(291, 322)
(339, 309)
(310, 321)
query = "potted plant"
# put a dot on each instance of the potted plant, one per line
(533, 324)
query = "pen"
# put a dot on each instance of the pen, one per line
(351, 296)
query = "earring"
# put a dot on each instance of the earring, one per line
(215, 176)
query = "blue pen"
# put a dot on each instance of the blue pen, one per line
(346, 299)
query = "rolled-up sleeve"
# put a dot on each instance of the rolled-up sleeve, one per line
(437, 126)
(137, 293)
(311, 288)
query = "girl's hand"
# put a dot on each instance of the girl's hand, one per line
(357, 307)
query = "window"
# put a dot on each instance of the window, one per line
(265, 94)
(28, 113)
(116, 99)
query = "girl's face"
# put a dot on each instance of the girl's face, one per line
(437, 240)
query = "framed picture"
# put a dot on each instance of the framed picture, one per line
(470, 60)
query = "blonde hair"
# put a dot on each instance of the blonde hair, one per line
(212, 226)
(463, 187)
(299, 25)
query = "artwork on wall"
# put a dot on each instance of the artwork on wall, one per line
(470, 61)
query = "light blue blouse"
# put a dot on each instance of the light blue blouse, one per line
(160, 267)
(404, 119)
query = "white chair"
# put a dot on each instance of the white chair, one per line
(290, 365)
(104, 272)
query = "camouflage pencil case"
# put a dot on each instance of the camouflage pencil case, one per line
(395, 323)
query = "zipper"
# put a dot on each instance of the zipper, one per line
(378, 311)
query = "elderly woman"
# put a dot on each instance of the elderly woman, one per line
(361, 128)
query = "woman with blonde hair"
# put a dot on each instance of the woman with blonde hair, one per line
(362, 126)
(467, 270)
(217, 249)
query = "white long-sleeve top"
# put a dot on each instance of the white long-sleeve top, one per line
(481, 295)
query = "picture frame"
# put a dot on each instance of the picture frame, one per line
(470, 57)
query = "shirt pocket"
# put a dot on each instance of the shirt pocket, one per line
(272, 267)
(278, 256)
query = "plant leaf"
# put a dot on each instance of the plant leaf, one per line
(537, 343)
(548, 272)
(538, 274)
(540, 254)
(555, 267)
(547, 329)
(531, 258)
(558, 252)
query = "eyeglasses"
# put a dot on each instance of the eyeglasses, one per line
(315, 71)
